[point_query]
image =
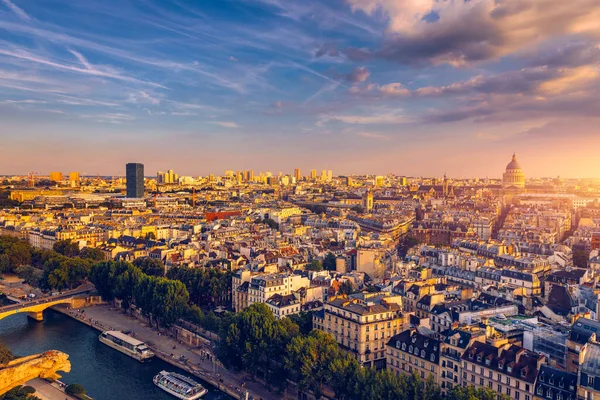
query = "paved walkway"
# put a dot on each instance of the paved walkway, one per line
(47, 391)
(107, 318)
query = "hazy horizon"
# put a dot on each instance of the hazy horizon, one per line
(412, 87)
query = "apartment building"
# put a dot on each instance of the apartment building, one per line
(507, 369)
(263, 287)
(455, 343)
(413, 353)
(363, 324)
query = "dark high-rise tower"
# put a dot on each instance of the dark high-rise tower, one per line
(135, 180)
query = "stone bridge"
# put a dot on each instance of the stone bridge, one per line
(35, 308)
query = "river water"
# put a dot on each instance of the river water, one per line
(105, 373)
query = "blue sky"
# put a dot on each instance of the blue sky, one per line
(416, 87)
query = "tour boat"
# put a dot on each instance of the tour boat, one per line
(180, 386)
(127, 345)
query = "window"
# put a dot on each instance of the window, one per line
(508, 391)
(507, 380)
(480, 381)
(517, 395)
(509, 369)
(403, 346)
(432, 358)
(488, 361)
(422, 353)
(540, 390)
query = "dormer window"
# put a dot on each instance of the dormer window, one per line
(501, 365)
(404, 346)
(423, 353)
(414, 339)
(432, 357)
(559, 396)
(471, 356)
(410, 348)
(561, 384)
(542, 378)
(524, 372)
(540, 391)
(551, 381)
(488, 361)
(479, 358)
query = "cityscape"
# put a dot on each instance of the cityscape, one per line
(313, 200)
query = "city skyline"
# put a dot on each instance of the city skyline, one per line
(356, 86)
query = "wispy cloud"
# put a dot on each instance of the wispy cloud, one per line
(226, 124)
(27, 56)
(17, 10)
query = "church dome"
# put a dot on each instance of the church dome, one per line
(514, 176)
(514, 164)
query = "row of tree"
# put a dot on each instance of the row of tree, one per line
(208, 287)
(276, 350)
(164, 300)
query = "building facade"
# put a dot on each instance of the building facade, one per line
(135, 180)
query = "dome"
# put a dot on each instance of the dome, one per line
(514, 164)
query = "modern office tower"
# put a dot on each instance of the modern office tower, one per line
(313, 174)
(297, 174)
(329, 175)
(56, 176)
(135, 180)
(251, 175)
(349, 181)
(323, 175)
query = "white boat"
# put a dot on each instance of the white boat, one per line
(127, 345)
(180, 386)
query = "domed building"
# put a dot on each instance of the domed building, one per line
(514, 176)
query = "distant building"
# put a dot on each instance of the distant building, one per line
(56, 176)
(513, 177)
(135, 180)
(297, 174)
(74, 178)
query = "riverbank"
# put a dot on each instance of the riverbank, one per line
(169, 350)
(48, 391)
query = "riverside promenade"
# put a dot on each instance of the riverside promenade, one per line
(103, 318)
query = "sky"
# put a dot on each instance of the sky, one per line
(411, 87)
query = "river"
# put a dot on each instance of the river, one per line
(105, 373)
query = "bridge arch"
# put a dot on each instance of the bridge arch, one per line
(34, 310)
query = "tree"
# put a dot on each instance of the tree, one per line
(150, 266)
(75, 389)
(92, 254)
(303, 320)
(581, 258)
(311, 357)
(346, 288)
(67, 248)
(30, 275)
(406, 243)
(315, 265)
(20, 393)
(471, 393)
(329, 262)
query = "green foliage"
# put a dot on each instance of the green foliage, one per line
(67, 248)
(150, 266)
(29, 274)
(346, 287)
(581, 258)
(208, 287)
(271, 223)
(5, 354)
(254, 339)
(14, 253)
(315, 265)
(406, 243)
(311, 358)
(164, 299)
(5, 201)
(92, 254)
(20, 393)
(75, 389)
(329, 262)
(303, 320)
(472, 393)
(62, 272)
